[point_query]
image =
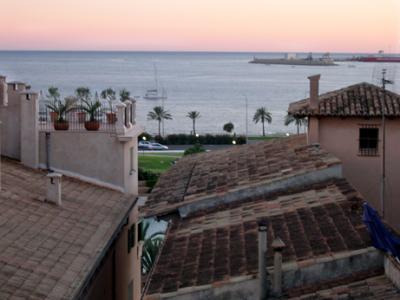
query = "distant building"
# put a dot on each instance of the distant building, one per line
(217, 203)
(348, 123)
(69, 232)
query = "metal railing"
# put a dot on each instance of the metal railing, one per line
(79, 120)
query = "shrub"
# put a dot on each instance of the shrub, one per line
(208, 139)
(150, 177)
(194, 149)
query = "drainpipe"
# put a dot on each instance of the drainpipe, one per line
(262, 252)
(277, 246)
(48, 151)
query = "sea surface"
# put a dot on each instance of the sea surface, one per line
(215, 84)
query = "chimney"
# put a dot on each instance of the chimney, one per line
(3, 91)
(277, 247)
(54, 188)
(262, 264)
(314, 87)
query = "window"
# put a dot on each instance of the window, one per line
(368, 142)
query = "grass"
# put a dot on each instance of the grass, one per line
(265, 138)
(157, 162)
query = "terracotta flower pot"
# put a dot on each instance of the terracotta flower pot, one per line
(81, 117)
(92, 125)
(111, 118)
(61, 125)
(53, 116)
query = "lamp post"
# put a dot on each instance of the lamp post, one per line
(144, 139)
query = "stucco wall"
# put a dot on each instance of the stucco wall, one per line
(341, 137)
(10, 116)
(121, 264)
(95, 155)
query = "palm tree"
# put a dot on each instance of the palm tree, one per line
(193, 115)
(298, 121)
(262, 114)
(158, 114)
(151, 245)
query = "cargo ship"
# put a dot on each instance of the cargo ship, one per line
(379, 58)
(291, 59)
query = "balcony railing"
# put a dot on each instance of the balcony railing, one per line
(121, 119)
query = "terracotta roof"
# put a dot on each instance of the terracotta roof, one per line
(220, 243)
(199, 177)
(359, 100)
(378, 287)
(47, 251)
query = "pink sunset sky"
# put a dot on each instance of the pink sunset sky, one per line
(202, 25)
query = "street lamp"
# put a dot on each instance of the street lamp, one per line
(233, 142)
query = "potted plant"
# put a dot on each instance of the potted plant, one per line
(82, 94)
(61, 108)
(92, 109)
(53, 96)
(109, 95)
(124, 95)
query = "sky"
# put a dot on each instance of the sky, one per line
(201, 25)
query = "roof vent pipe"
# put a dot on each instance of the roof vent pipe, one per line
(277, 247)
(314, 92)
(54, 188)
(262, 253)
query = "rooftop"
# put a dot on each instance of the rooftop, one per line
(220, 244)
(234, 172)
(378, 287)
(47, 251)
(359, 100)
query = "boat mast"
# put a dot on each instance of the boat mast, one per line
(155, 77)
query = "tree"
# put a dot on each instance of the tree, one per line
(193, 115)
(263, 115)
(151, 246)
(158, 114)
(298, 121)
(228, 127)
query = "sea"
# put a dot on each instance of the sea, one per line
(216, 84)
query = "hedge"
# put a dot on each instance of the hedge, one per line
(189, 139)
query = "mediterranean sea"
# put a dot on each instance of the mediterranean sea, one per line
(215, 84)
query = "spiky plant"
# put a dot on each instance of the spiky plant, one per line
(62, 107)
(109, 95)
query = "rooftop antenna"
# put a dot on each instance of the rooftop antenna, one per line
(383, 75)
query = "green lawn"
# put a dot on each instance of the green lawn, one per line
(157, 162)
(265, 138)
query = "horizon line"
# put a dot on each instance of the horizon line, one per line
(187, 51)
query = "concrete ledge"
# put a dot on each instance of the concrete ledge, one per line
(331, 267)
(85, 179)
(241, 287)
(263, 189)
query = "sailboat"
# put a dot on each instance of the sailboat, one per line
(154, 94)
